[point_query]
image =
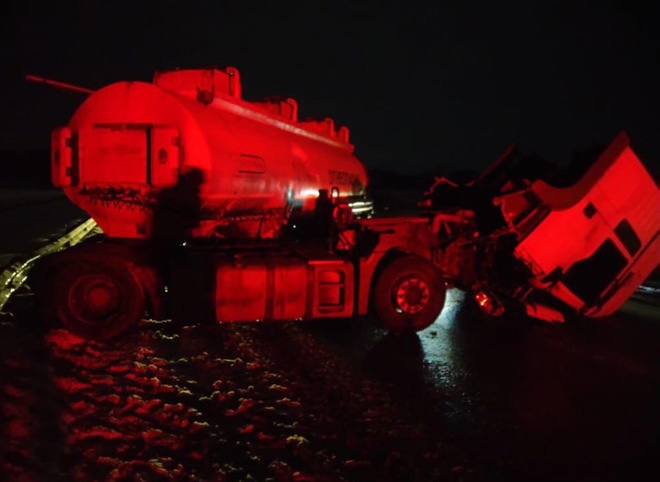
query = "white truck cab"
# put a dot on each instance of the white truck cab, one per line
(592, 244)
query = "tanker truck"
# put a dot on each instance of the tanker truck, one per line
(215, 207)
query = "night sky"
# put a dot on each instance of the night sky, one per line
(423, 86)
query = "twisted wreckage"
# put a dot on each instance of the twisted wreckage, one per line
(213, 206)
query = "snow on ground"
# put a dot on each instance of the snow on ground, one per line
(201, 403)
(331, 400)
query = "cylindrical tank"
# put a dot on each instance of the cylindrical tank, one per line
(187, 155)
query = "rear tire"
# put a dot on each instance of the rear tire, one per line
(408, 295)
(95, 297)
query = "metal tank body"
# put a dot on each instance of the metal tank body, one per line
(187, 156)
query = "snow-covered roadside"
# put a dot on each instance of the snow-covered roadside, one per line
(14, 197)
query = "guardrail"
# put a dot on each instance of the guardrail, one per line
(15, 275)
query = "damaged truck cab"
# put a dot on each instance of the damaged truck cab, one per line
(587, 246)
(592, 244)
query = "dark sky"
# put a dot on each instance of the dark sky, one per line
(423, 86)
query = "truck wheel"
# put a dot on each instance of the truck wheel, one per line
(408, 295)
(97, 299)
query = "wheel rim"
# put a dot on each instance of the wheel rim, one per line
(94, 298)
(411, 295)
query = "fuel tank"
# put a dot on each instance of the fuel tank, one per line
(186, 155)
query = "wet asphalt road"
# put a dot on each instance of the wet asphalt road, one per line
(469, 398)
(524, 400)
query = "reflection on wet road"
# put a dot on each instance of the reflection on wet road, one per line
(529, 400)
(442, 355)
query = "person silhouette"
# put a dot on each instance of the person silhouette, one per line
(323, 210)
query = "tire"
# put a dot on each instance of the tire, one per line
(408, 295)
(95, 297)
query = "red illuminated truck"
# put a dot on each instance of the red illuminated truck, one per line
(216, 207)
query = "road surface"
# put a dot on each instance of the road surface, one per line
(470, 398)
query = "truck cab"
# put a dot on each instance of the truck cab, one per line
(591, 244)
